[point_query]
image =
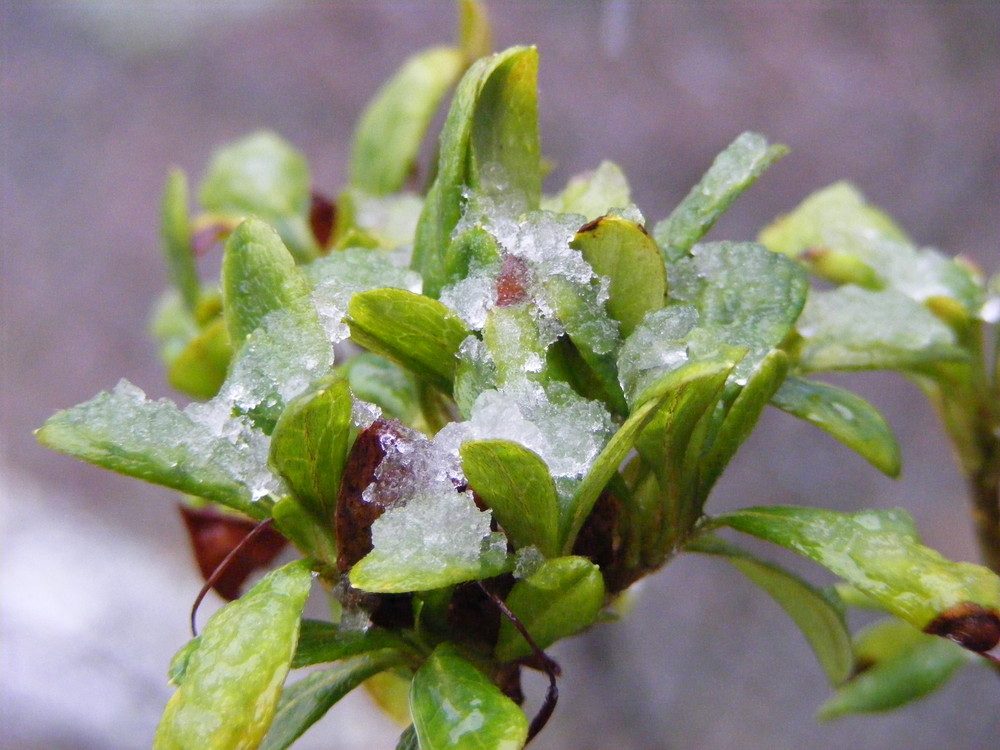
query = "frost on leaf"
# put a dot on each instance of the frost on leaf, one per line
(337, 277)
(430, 533)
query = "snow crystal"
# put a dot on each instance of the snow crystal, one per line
(527, 561)
(472, 297)
(657, 346)
(444, 525)
(566, 430)
(340, 275)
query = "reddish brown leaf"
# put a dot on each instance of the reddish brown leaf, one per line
(214, 535)
(322, 217)
(354, 515)
(971, 626)
(512, 283)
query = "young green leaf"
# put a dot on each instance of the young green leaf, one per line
(437, 539)
(175, 231)
(408, 740)
(900, 664)
(514, 341)
(157, 442)
(851, 328)
(233, 679)
(199, 370)
(259, 276)
(275, 364)
(179, 662)
(489, 144)
(321, 641)
(313, 539)
(564, 596)
(173, 325)
(622, 251)
(455, 707)
(660, 397)
(419, 333)
(846, 416)
(878, 552)
(378, 381)
(515, 484)
(393, 572)
(732, 172)
(264, 177)
(836, 234)
(593, 333)
(309, 445)
(593, 194)
(388, 136)
(817, 612)
(733, 421)
(746, 297)
(305, 702)
(474, 32)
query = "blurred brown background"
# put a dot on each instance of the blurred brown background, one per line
(100, 98)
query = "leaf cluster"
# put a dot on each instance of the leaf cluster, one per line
(478, 399)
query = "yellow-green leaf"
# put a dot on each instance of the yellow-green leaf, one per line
(233, 679)
(561, 598)
(455, 707)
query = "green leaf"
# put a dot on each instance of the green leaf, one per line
(733, 420)
(390, 691)
(435, 540)
(388, 136)
(264, 177)
(879, 553)
(846, 416)
(593, 333)
(175, 231)
(901, 664)
(321, 641)
(515, 484)
(378, 381)
(513, 339)
(455, 707)
(259, 276)
(156, 442)
(381, 221)
(732, 172)
(836, 234)
(277, 362)
(309, 445)
(470, 251)
(199, 370)
(313, 539)
(851, 328)
(817, 613)
(660, 397)
(307, 701)
(594, 194)
(474, 33)
(746, 297)
(173, 325)
(489, 144)
(233, 679)
(408, 740)
(673, 445)
(564, 596)
(621, 250)
(179, 663)
(419, 333)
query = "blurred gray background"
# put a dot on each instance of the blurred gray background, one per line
(100, 99)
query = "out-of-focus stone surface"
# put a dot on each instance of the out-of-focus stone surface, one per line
(97, 100)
